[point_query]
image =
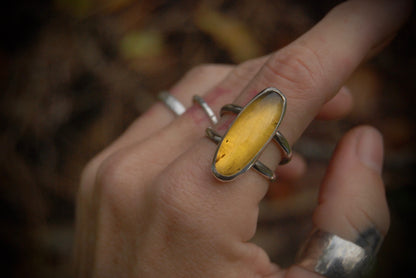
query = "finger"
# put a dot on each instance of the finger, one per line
(171, 141)
(293, 170)
(352, 202)
(223, 78)
(189, 126)
(208, 81)
(308, 71)
(353, 187)
(114, 164)
(311, 70)
(198, 80)
(287, 177)
(337, 107)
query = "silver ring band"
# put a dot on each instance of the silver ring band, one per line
(199, 100)
(278, 137)
(172, 103)
(334, 257)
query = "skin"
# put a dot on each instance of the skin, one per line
(148, 205)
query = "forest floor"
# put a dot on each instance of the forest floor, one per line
(74, 74)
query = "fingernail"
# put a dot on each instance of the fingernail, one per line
(370, 149)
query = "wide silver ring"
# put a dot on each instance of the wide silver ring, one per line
(334, 257)
(172, 103)
(279, 107)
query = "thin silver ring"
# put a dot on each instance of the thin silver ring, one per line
(278, 137)
(334, 257)
(199, 100)
(172, 103)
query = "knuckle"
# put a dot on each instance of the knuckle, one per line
(247, 69)
(112, 174)
(178, 199)
(297, 65)
(100, 184)
(89, 171)
(88, 177)
(172, 195)
(256, 256)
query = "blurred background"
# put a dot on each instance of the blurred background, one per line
(75, 73)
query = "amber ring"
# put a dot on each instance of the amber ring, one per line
(254, 127)
(172, 103)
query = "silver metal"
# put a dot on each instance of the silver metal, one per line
(334, 257)
(199, 100)
(285, 148)
(230, 108)
(214, 136)
(259, 166)
(370, 240)
(172, 103)
(265, 171)
(278, 137)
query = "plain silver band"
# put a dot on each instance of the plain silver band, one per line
(278, 137)
(172, 103)
(259, 166)
(334, 257)
(199, 100)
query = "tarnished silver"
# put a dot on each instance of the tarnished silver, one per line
(286, 150)
(334, 257)
(278, 138)
(214, 136)
(232, 108)
(199, 100)
(172, 103)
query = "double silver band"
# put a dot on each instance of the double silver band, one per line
(172, 103)
(334, 257)
(178, 109)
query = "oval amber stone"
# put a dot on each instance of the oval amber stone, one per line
(247, 136)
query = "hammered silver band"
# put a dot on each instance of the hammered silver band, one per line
(334, 257)
(172, 103)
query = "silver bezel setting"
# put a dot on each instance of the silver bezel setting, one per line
(263, 169)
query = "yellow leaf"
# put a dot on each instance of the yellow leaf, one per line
(230, 33)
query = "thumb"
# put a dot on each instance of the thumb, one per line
(352, 197)
(352, 202)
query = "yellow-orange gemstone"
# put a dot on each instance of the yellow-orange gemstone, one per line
(253, 128)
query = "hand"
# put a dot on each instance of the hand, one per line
(149, 205)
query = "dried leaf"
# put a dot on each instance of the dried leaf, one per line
(230, 33)
(142, 44)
